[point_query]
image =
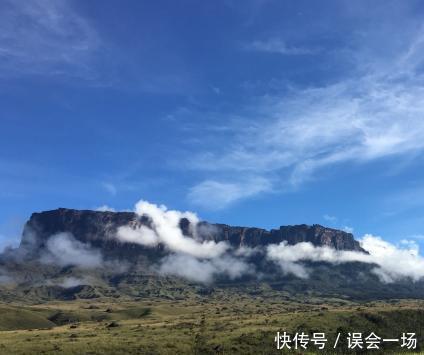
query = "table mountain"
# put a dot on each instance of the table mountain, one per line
(133, 270)
(98, 229)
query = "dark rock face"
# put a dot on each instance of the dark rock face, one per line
(315, 234)
(131, 270)
(86, 226)
(99, 228)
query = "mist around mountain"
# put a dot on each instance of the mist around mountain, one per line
(67, 254)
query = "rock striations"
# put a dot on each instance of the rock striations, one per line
(98, 229)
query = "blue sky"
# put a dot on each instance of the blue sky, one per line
(257, 113)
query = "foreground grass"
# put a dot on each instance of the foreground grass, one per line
(240, 325)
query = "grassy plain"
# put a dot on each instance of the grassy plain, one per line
(220, 324)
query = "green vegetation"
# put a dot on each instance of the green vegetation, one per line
(17, 318)
(217, 324)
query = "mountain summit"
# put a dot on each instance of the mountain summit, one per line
(68, 254)
(98, 228)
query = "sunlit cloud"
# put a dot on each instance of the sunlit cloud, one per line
(391, 262)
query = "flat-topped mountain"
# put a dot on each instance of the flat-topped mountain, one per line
(99, 227)
(67, 254)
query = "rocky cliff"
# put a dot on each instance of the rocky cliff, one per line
(98, 229)
(135, 271)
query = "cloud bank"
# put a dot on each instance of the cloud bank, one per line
(392, 262)
(202, 261)
(70, 282)
(194, 255)
(204, 270)
(64, 250)
(191, 257)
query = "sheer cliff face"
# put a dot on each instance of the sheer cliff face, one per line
(86, 226)
(99, 229)
(315, 234)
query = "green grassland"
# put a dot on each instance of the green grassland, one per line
(218, 324)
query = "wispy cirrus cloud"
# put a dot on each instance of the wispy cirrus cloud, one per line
(358, 119)
(110, 188)
(215, 194)
(277, 45)
(404, 201)
(418, 237)
(330, 218)
(45, 37)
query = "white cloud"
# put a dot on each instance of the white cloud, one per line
(354, 121)
(111, 188)
(392, 262)
(205, 271)
(141, 235)
(201, 260)
(215, 194)
(403, 200)
(44, 37)
(6, 242)
(377, 114)
(188, 267)
(417, 237)
(70, 282)
(165, 229)
(348, 229)
(190, 257)
(105, 208)
(329, 218)
(276, 45)
(64, 250)
(395, 262)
